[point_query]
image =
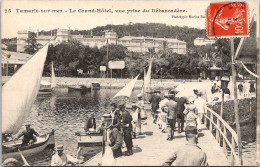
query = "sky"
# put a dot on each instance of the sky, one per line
(14, 20)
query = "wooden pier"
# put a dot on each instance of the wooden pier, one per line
(152, 148)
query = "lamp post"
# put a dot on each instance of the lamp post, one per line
(224, 85)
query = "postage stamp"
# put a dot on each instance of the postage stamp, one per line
(227, 19)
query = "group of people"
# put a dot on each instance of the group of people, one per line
(120, 126)
(171, 110)
(245, 89)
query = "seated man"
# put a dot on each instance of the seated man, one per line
(191, 154)
(28, 136)
(61, 159)
(90, 124)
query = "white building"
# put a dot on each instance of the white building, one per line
(203, 41)
(142, 44)
(136, 44)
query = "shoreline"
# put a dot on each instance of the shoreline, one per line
(115, 83)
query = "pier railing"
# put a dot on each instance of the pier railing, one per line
(224, 134)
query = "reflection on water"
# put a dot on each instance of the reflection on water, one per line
(65, 112)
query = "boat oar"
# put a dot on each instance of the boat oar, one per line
(24, 160)
(78, 153)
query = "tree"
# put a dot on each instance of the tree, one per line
(32, 44)
(164, 49)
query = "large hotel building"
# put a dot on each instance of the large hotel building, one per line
(135, 44)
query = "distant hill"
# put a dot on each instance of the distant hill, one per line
(148, 29)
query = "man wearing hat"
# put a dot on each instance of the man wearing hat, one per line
(140, 105)
(189, 155)
(113, 109)
(214, 88)
(180, 116)
(127, 128)
(90, 124)
(11, 162)
(201, 105)
(162, 114)
(28, 136)
(155, 100)
(61, 159)
(171, 115)
(136, 119)
(191, 113)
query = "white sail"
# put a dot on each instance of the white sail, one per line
(53, 82)
(147, 80)
(127, 90)
(19, 93)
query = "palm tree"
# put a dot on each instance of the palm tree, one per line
(33, 46)
(164, 50)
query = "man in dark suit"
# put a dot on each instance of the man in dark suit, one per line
(155, 100)
(90, 123)
(180, 116)
(28, 136)
(127, 128)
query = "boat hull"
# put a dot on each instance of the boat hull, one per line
(27, 151)
(93, 140)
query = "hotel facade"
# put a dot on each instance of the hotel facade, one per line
(136, 44)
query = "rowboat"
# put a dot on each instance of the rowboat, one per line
(10, 148)
(18, 96)
(81, 88)
(90, 140)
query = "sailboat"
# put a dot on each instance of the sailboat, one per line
(126, 91)
(147, 86)
(18, 96)
(47, 87)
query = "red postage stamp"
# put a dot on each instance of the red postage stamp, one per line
(227, 19)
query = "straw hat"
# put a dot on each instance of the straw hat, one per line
(191, 99)
(59, 147)
(121, 104)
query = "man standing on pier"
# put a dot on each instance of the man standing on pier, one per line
(171, 116)
(180, 115)
(155, 100)
(189, 155)
(127, 128)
